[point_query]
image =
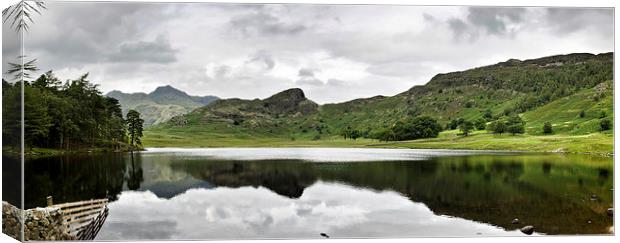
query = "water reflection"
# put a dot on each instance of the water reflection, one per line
(248, 212)
(198, 196)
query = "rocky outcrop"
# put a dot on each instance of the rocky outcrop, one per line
(289, 101)
(251, 113)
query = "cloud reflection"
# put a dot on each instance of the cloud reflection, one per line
(258, 213)
(312, 154)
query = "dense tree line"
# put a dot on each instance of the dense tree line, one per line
(511, 124)
(70, 115)
(409, 129)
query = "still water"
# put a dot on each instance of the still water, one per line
(258, 193)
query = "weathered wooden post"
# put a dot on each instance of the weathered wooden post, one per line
(50, 201)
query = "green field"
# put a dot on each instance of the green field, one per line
(597, 143)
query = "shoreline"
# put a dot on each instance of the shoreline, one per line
(591, 144)
(36, 153)
(372, 146)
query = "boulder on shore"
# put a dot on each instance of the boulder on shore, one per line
(528, 230)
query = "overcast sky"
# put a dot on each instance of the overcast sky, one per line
(334, 53)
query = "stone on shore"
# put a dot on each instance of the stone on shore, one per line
(528, 230)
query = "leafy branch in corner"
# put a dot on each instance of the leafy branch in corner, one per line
(21, 13)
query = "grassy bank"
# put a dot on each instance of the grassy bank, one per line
(597, 143)
(48, 152)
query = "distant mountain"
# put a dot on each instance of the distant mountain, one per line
(524, 87)
(254, 113)
(160, 105)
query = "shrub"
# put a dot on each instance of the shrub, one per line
(547, 128)
(488, 114)
(515, 125)
(498, 127)
(481, 124)
(605, 124)
(466, 127)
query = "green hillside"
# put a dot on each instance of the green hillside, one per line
(160, 105)
(564, 113)
(551, 89)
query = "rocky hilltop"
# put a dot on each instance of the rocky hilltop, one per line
(254, 113)
(160, 105)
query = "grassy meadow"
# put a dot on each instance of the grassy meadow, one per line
(596, 143)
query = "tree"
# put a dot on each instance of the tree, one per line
(11, 114)
(515, 125)
(36, 119)
(605, 124)
(452, 125)
(351, 133)
(70, 116)
(354, 134)
(383, 134)
(481, 124)
(488, 114)
(547, 128)
(498, 127)
(48, 81)
(419, 127)
(466, 127)
(134, 127)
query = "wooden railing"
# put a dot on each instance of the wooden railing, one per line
(78, 216)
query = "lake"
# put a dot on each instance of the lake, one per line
(265, 193)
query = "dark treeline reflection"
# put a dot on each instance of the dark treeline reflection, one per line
(552, 192)
(11, 179)
(76, 177)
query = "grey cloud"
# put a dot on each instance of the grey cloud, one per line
(494, 20)
(78, 33)
(490, 20)
(277, 40)
(335, 82)
(156, 51)
(11, 47)
(569, 20)
(264, 58)
(305, 72)
(306, 77)
(220, 72)
(458, 27)
(261, 23)
(428, 17)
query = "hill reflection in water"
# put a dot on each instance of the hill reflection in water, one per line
(476, 193)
